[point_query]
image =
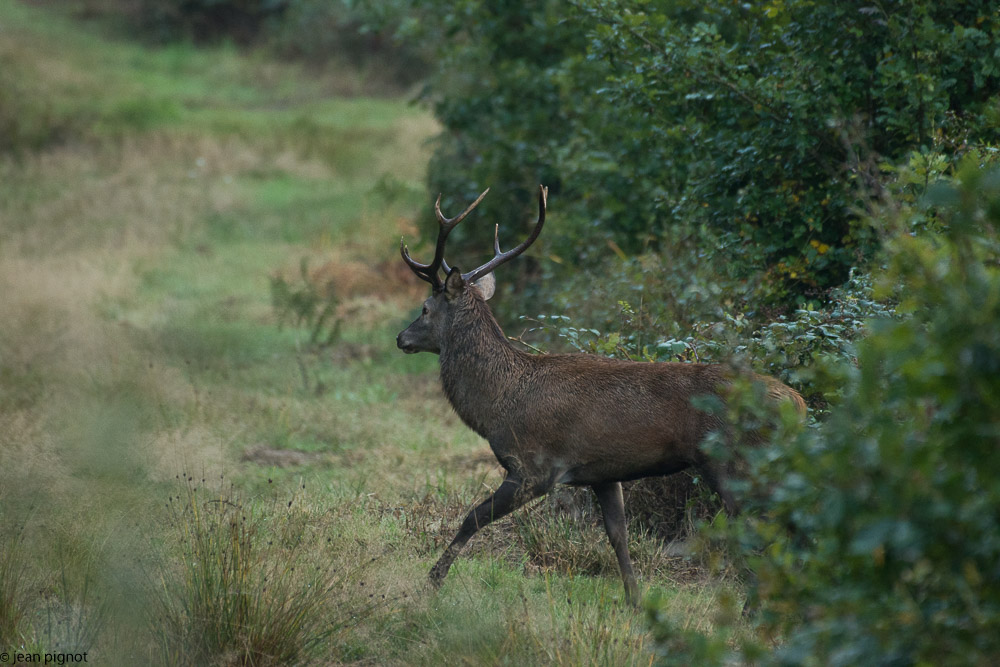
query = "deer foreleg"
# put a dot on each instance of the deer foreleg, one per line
(511, 494)
(609, 496)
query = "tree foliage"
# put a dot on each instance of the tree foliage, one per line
(762, 123)
(878, 540)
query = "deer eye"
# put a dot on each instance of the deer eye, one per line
(425, 310)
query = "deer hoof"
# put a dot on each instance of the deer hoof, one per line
(437, 575)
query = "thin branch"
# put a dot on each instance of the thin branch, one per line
(518, 339)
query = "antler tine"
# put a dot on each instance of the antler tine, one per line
(445, 222)
(421, 270)
(429, 272)
(448, 224)
(502, 257)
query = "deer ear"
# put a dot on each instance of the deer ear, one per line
(486, 286)
(454, 284)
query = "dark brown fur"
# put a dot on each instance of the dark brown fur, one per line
(568, 418)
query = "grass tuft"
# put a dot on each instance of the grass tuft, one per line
(15, 589)
(243, 587)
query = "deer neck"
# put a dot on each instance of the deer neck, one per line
(479, 367)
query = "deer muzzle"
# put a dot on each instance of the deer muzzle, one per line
(405, 345)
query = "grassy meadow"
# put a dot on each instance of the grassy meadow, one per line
(186, 477)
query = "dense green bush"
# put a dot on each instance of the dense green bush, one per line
(878, 540)
(762, 123)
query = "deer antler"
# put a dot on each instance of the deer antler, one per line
(502, 257)
(429, 272)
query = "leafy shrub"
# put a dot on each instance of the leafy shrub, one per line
(760, 124)
(879, 540)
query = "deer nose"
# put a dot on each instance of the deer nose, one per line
(406, 346)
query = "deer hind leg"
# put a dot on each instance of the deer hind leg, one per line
(609, 496)
(716, 481)
(511, 494)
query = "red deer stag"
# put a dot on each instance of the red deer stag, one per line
(573, 419)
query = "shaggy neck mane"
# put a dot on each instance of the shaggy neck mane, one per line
(478, 363)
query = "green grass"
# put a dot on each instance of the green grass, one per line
(143, 214)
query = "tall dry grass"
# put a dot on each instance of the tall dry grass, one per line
(246, 586)
(15, 588)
